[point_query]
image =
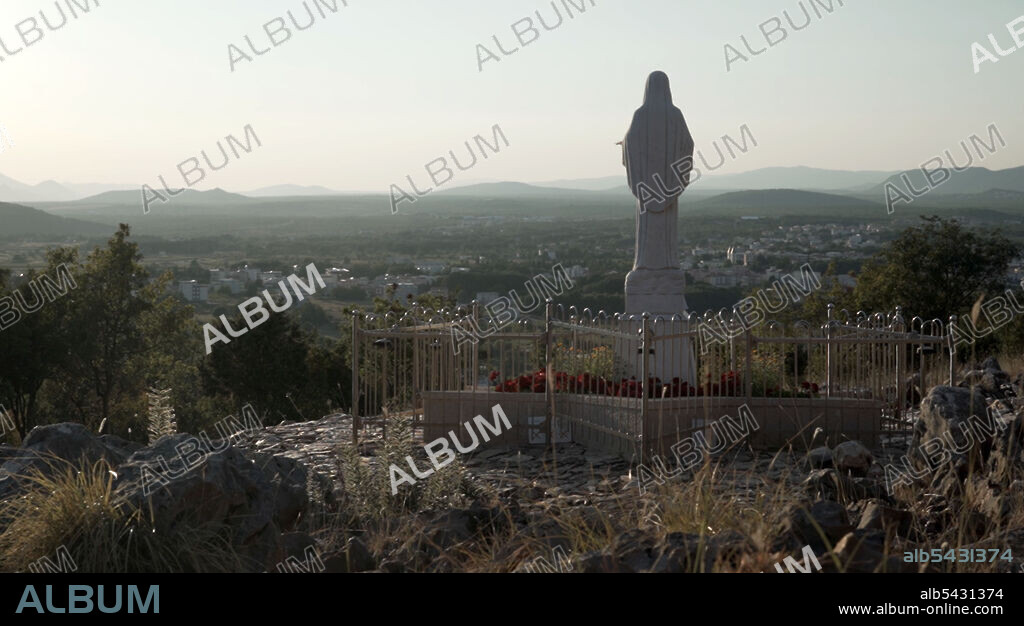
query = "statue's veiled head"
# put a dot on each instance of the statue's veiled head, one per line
(657, 91)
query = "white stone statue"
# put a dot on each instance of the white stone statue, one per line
(658, 155)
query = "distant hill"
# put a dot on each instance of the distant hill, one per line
(777, 202)
(806, 178)
(15, 191)
(511, 189)
(50, 191)
(604, 183)
(188, 196)
(17, 221)
(992, 199)
(291, 190)
(975, 180)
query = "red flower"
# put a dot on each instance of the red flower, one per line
(509, 386)
(494, 375)
(730, 383)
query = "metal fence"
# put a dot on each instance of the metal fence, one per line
(634, 385)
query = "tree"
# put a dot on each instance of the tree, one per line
(112, 302)
(126, 335)
(814, 307)
(265, 367)
(35, 347)
(935, 270)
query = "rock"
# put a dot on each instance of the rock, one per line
(863, 552)
(441, 533)
(634, 551)
(944, 421)
(596, 562)
(393, 566)
(991, 365)
(945, 507)
(7, 452)
(831, 485)
(822, 520)
(945, 406)
(248, 494)
(355, 558)
(119, 448)
(449, 529)
(877, 516)
(679, 553)
(1006, 457)
(289, 479)
(988, 499)
(46, 446)
(299, 554)
(819, 458)
(852, 457)
(72, 442)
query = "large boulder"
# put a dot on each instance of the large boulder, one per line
(824, 520)
(47, 448)
(255, 497)
(819, 458)
(853, 458)
(946, 433)
(945, 407)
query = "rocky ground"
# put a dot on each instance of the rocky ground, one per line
(952, 485)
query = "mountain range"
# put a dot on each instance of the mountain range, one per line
(19, 221)
(768, 192)
(975, 180)
(186, 196)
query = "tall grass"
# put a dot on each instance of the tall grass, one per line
(75, 507)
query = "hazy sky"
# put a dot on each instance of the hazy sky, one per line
(377, 90)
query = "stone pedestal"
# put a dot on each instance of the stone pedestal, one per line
(660, 293)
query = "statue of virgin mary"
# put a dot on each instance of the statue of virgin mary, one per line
(658, 155)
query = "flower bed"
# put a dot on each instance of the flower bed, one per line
(729, 384)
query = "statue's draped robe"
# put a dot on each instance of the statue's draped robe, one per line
(657, 139)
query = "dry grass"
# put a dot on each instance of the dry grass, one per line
(75, 507)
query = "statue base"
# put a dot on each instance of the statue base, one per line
(659, 293)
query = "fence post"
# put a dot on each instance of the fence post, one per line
(355, 378)
(415, 370)
(901, 349)
(475, 360)
(645, 383)
(749, 373)
(549, 382)
(828, 352)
